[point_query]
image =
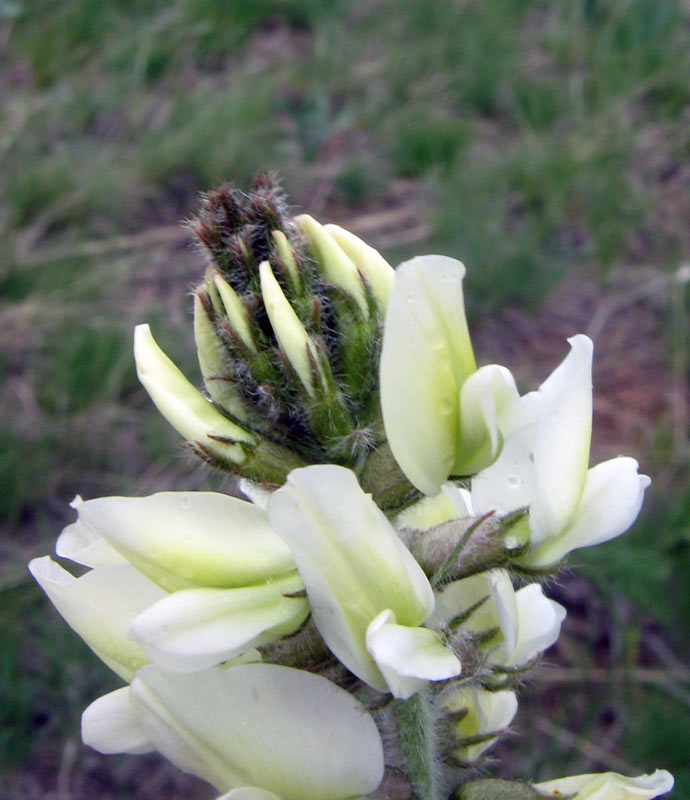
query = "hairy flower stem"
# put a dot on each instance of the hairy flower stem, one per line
(419, 745)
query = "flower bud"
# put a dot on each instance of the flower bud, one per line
(290, 333)
(285, 257)
(213, 361)
(375, 270)
(332, 262)
(210, 434)
(479, 716)
(288, 327)
(235, 311)
(183, 406)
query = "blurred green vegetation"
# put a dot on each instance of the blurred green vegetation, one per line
(536, 140)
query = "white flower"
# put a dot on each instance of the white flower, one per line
(256, 731)
(518, 625)
(442, 416)
(194, 578)
(545, 467)
(608, 786)
(482, 715)
(367, 594)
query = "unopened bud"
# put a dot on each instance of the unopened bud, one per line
(377, 272)
(213, 360)
(292, 338)
(332, 261)
(236, 312)
(211, 435)
(287, 259)
(185, 408)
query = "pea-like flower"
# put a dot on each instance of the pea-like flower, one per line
(185, 579)
(511, 627)
(607, 786)
(545, 467)
(443, 416)
(258, 731)
(368, 596)
(479, 718)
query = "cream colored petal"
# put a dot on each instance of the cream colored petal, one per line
(194, 629)
(110, 725)
(490, 409)
(450, 503)
(84, 546)
(609, 505)
(508, 484)
(608, 786)
(458, 598)
(486, 713)
(249, 793)
(255, 492)
(99, 606)
(377, 272)
(426, 357)
(185, 408)
(283, 730)
(185, 539)
(539, 624)
(351, 560)
(561, 450)
(487, 603)
(290, 333)
(408, 657)
(332, 261)
(504, 600)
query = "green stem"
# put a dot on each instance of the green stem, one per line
(416, 720)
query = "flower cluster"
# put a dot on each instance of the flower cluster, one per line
(360, 624)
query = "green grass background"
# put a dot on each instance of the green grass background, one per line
(540, 142)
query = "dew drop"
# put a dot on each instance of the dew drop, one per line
(513, 480)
